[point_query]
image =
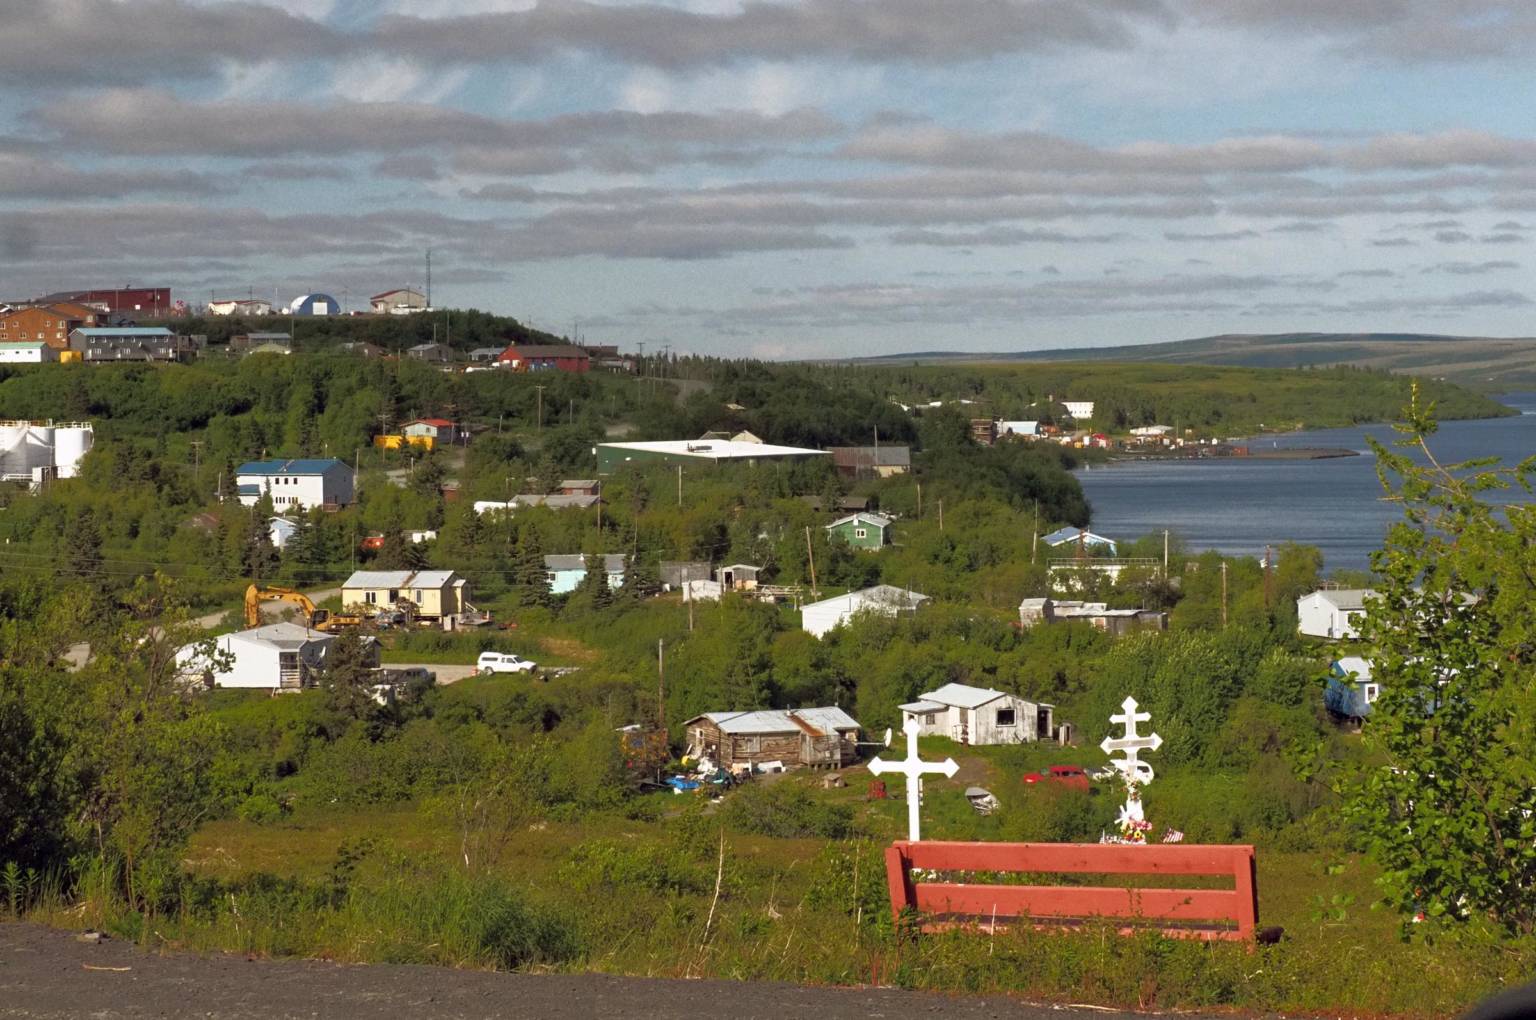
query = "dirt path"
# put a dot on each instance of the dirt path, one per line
(47, 973)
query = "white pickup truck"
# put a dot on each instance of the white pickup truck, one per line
(503, 662)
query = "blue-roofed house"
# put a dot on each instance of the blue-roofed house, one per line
(1074, 536)
(133, 343)
(296, 484)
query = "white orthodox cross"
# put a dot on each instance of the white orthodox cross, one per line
(913, 768)
(1132, 744)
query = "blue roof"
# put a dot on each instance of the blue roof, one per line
(123, 331)
(313, 466)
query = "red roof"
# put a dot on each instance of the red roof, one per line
(437, 423)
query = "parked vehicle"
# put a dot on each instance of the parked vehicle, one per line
(503, 662)
(1066, 775)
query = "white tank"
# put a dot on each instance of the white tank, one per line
(13, 449)
(39, 447)
(70, 445)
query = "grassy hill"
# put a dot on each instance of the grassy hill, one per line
(1493, 364)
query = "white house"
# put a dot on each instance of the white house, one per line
(1022, 429)
(239, 306)
(1079, 536)
(27, 352)
(404, 301)
(819, 618)
(565, 573)
(296, 484)
(279, 656)
(1332, 614)
(979, 715)
(281, 530)
(440, 430)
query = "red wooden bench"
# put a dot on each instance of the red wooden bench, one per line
(1186, 913)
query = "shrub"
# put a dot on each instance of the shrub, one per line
(786, 809)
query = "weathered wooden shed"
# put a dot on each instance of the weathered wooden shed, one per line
(815, 737)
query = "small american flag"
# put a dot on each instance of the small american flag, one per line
(1173, 836)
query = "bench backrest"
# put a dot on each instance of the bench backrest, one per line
(1198, 913)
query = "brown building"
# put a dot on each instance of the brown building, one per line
(40, 322)
(816, 737)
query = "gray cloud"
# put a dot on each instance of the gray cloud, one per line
(34, 178)
(1367, 274)
(1223, 235)
(1452, 236)
(998, 236)
(1471, 268)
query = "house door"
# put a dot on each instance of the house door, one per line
(728, 580)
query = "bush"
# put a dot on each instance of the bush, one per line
(260, 808)
(787, 810)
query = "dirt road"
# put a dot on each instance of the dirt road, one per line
(47, 973)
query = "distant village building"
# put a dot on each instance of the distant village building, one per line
(261, 343)
(146, 302)
(485, 355)
(1332, 613)
(440, 430)
(1018, 429)
(39, 324)
(1151, 431)
(436, 354)
(398, 302)
(820, 618)
(277, 657)
(296, 484)
(862, 530)
(613, 456)
(248, 306)
(432, 595)
(133, 343)
(545, 358)
(566, 572)
(1034, 611)
(281, 530)
(26, 352)
(361, 349)
(738, 577)
(844, 505)
(871, 461)
(1079, 537)
(1352, 690)
(983, 431)
(980, 716)
(676, 573)
(314, 305)
(811, 737)
(555, 501)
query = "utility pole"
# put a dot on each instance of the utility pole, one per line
(1034, 536)
(919, 500)
(811, 556)
(197, 457)
(1223, 594)
(679, 485)
(941, 515)
(661, 683)
(540, 427)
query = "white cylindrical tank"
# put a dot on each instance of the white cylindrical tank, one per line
(13, 449)
(70, 445)
(39, 447)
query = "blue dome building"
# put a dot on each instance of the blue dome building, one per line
(314, 304)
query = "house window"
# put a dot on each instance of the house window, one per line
(931, 718)
(370, 597)
(860, 533)
(1372, 691)
(1005, 717)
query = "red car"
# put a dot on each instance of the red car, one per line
(1066, 775)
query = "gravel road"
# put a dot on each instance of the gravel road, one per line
(47, 973)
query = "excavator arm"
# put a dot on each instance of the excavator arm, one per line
(255, 596)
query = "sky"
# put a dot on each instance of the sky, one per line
(789, 179)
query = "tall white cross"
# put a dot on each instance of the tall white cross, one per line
(1132, 744)
(913, 768)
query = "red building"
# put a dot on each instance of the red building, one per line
(147, 302)
(545, 358)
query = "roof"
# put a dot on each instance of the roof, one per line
(1347, 599)
(719, 449)
(791, 720)
(880, 594)
(555, 502)
(515, 351)
(1360, 667)
(398, 579)
(92, 332)
(963, 696)
(287, 636)
(871, 456)
(922, 706)
(275, 337)
(437, 423)
(862, 518)
(311, 466)
(1064, 535)
(20, 344)
(613, 563)
(398, 290)
(579, 483)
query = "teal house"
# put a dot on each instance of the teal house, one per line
(862, 530)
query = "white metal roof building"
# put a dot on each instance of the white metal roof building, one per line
(782, 720)
(819, 618)
(279, 656)
(980, 715)
(1331, 613)
(612, 456)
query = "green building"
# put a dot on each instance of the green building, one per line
(862, 530)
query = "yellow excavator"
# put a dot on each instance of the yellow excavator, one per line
(320, 619)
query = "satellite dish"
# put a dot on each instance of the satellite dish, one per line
(887, 736)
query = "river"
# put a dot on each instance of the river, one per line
(1238, 506)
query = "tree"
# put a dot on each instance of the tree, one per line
(258, 556)
(1450, 810)
(348, 682)
(528, 570)
(81, 553)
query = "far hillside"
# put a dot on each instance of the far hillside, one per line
(1492, 364)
